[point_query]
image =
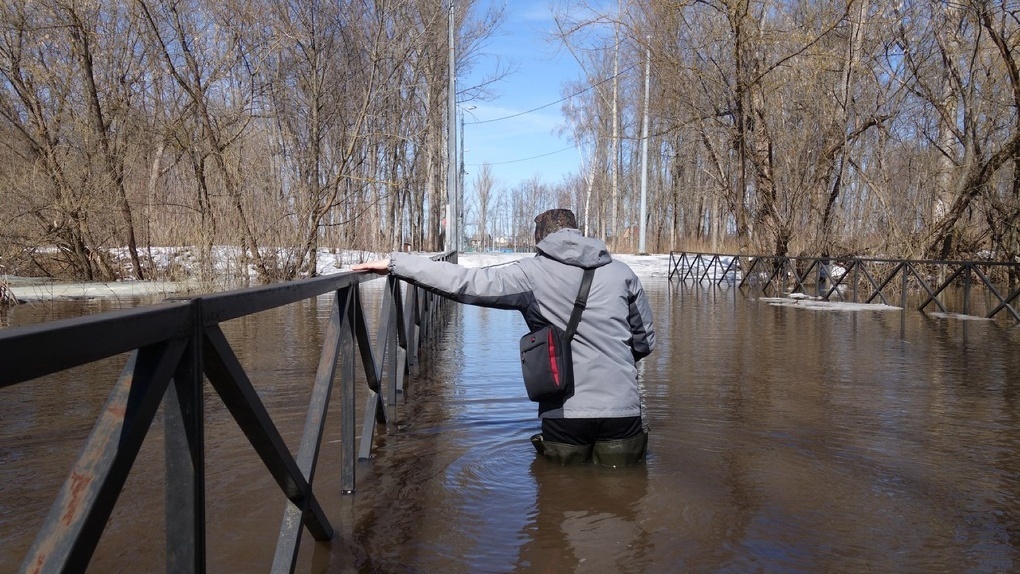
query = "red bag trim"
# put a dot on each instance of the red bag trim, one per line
(552, 359)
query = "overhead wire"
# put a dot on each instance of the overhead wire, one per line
(525, 158)
(533, 110)
(559, 101)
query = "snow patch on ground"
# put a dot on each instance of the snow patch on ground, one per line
(329, 263)
(941, 315)
(803, 301)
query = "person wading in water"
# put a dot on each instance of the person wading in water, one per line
(600, 419)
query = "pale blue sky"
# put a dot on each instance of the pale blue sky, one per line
(526, 145)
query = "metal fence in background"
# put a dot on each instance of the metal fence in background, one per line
(983, 288)
(174, 347)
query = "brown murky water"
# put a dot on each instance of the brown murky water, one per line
(783, 440)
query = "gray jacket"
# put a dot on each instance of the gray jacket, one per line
(615, 329)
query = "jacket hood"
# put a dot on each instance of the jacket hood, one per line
(570, 247)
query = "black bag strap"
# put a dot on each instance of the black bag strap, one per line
(579, 303)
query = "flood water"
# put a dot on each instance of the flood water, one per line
(782, 440)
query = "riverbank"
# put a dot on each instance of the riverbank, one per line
(27, 289)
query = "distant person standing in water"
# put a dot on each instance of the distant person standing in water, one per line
(601, 420)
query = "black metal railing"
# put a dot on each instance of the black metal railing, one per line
(863, 279)
(174, 347)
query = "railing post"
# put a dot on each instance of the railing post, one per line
(903, 286)
(348, 420)
(857, 277)
(411, 324)
(966, 290)
(396, 368)
(184, 455)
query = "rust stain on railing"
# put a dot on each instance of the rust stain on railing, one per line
(79, 483)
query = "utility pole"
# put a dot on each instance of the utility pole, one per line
(644, 155)
(460, 180)
(453, 207)
(460, 184)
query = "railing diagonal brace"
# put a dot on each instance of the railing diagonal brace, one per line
(708, 268)
(411, 323)
(374, 410)
(1004, 302)
(876, 288)
(78, 516)
(368, 360)
(941, 288)
(398, 307)
(728, 268)
(384, 329)
(674, 264)
(372, 361)
(337, 336)
(750, 271)
(689, 268)
(778, 267)
(932, 296)
(235, 389)
(837, 281)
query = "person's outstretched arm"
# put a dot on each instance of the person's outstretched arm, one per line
(503, 287)
(380, 266)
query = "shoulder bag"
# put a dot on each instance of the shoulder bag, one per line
(546, 362)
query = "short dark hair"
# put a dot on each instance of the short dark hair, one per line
(552, 221)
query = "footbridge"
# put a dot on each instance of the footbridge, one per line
(172, 349)
(984, 288)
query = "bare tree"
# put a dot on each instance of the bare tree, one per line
(41, 77)
(485, 188)
(86, 30)
(982, 145)
(195, 58)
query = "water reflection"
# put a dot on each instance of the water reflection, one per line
(586, 519)
(783, 439)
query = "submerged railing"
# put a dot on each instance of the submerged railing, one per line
(862, 279)
(174, 347)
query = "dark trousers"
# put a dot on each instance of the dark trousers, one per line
(588, 431)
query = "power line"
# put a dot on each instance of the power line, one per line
(525, 158)
(559, 101)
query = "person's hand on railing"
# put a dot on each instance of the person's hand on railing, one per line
(380, 266)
